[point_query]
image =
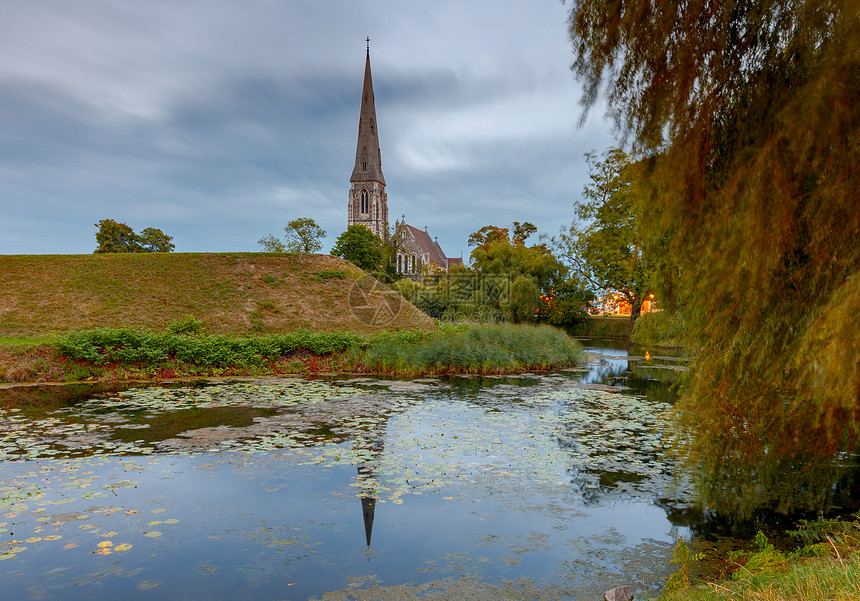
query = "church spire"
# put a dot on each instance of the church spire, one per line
(368, 158)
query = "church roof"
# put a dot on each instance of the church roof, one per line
(368, 158)
(429, 246)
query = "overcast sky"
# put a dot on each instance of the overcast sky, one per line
(218, 122)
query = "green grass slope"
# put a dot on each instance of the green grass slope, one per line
(230, 293)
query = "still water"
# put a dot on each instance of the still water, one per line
(551, 486)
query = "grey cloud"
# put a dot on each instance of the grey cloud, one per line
(215, 123)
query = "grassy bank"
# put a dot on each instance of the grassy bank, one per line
(42, 296)
(825, 566)
(127, 354)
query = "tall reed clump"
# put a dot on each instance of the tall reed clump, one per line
(105, 346)
(467, 348)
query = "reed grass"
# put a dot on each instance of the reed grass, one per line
(466, 348)
(806, 580)
(826, 567)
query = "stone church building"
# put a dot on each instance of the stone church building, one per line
(368, 201)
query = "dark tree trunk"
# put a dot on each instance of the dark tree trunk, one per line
(635, 312)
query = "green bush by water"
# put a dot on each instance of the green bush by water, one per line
(147, 348)
(470, 348)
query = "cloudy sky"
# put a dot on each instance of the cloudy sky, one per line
(220, 121)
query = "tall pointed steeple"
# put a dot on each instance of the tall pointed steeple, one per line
(368, 158)
(368, 202)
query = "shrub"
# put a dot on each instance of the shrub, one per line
(146, 348)
(328, 274)
(187, 325)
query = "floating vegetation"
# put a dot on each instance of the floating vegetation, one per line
(108, 475)
(89, 428)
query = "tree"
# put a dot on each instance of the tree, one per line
(487, 235)
(522, 231)
(302, 236)
(360, 246)
(525, 299)
(155, 241)
(566, 305)
(532, 273)
(605, 246)
(749, 116)
(115, 237)
(270, 244)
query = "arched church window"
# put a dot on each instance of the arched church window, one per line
(399, 263)
(364, 202)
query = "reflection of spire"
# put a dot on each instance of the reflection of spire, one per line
(368, 506)
(373, 441)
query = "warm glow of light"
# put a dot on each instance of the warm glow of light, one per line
(647, 356)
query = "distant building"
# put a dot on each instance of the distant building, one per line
(368, 201)
(415, 249)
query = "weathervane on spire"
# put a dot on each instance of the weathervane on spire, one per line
(368, 43)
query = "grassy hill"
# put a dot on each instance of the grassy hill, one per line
(231, 293)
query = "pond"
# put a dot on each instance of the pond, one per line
(551, 486)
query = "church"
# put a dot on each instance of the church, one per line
(417, 252)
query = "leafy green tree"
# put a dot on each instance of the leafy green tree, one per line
(302, 236)
(566, 304)
(115, 237)
(497, 254)
(749, 114)
(533, 273)
(270, 244)
(361, 247)
(154, 240)
(525, 299)
(604, 245)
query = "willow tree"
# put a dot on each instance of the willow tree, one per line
(752, 109)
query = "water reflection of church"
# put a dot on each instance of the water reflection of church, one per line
(418, 252)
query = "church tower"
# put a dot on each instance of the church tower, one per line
(368, 202)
